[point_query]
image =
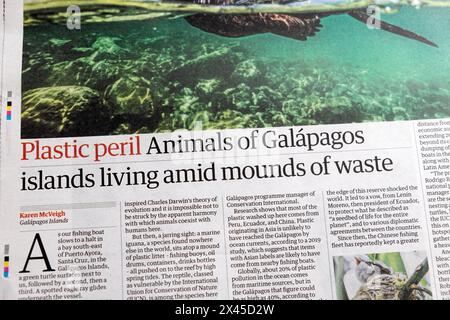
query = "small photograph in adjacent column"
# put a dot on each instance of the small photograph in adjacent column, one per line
(383, 276)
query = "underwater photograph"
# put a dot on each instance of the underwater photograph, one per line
(111, 67)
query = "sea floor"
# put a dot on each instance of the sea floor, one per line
(163, 75)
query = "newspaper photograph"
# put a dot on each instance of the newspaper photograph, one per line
(225, 150)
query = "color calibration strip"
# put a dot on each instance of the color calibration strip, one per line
(6, 262)
(9, 107)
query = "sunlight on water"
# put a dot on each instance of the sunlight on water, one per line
(240, 6)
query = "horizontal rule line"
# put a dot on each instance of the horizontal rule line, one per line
(69, 206)
(212, 158)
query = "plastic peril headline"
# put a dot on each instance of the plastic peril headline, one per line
(217, 142)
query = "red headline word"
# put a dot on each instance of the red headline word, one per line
(38, 150)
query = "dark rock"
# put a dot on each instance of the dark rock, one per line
(64, 112)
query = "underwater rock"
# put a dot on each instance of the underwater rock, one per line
(206, 66)
(37, 69)
(108, 48)
(435, 103)
(207, 88)
(64, 112)
(135, 110)
(155, 41)
(131, 125)
(162, 76)
(193, 109)
(60, 44)
(231, 119)
(86, 72)
(64, 49)
(400, 114)
(330, 110)
(131, 95)
(239, 97)
(414, 85)
(247, 99)
(185, 106)
(248, 72)
(341, 110)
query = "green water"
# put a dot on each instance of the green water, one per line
(163, 74)
(344, 40)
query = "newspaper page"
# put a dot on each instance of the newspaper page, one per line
(225, 150)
